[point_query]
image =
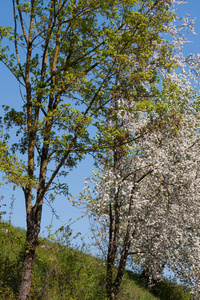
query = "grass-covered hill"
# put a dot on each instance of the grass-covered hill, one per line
(61, 272)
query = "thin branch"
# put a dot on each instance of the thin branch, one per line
(13, 73)
(15, 41)
(136, 252)
(21, 21)
(143, 176)
(62, 161)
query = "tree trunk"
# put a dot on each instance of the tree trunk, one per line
(112, 287)
(33, 229)
(27, 274)
(109, 281)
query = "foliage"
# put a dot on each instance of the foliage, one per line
(2, 212)
(12, 242)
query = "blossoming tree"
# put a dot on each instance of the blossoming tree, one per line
(146, 187)
(146, 194)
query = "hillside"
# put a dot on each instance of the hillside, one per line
(61, 272)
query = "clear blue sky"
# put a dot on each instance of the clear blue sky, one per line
(9, 95)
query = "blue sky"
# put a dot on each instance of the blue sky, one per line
(9, 95)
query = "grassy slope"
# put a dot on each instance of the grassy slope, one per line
(63, 273)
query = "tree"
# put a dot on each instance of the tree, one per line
(66, 57)
(146, 195)
(146, 186)
(140, 199)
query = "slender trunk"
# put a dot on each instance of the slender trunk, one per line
(109, 257)
(32, 233)
(109, 282)
(112, 287)
(120, 272)
(27, 273)
(33, 229)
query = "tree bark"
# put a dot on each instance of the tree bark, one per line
(33, 229)
(27, 274)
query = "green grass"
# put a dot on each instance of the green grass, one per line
(61, 273)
